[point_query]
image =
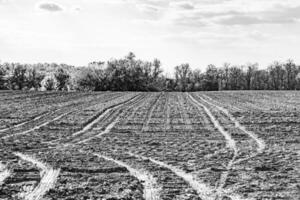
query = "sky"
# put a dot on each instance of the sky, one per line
(198, 32)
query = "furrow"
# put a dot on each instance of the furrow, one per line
(149, 114)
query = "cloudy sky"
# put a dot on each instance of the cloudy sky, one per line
(176, 31)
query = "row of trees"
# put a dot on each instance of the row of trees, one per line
(15, 76)
(278, 76)
(131, 74)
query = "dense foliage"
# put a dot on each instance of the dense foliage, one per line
(131, 74)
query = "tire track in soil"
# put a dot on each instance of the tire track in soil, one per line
(217, 102)
(230, 143)
(151, 189)
(4, 173)
(90, 125)
(115, 110)
(48, 178)
(99, 116)
(23, 123)
(220, 190)
(111, 125)
(78, 107)
(260, 143)
(36, 127)
(203, 191)
(145, 176)
(49, 175)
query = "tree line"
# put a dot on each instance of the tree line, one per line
(132, 74)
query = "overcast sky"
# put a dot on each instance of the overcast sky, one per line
(175, 31)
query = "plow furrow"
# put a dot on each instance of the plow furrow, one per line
(150, 113)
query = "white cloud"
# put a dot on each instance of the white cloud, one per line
(50, 6)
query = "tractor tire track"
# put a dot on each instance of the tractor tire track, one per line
(112, 124)
(36, 127)
(4, 173)
(151, 189)
(260, 143)
(77, 106)
(234, 160)
(229, 140)
(203, 191)
(23, 123)
(99, 116)
(215, 102)
(48, 178)
(80, 137)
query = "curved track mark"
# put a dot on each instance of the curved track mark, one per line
(48, 180)
(106, 131)
(4, 173)
(204, 191)
(151, 191)
(230, 142)
(23, 123)
(261, 144)
(90, 125)
(37, 127)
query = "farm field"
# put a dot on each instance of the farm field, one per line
(240, 145)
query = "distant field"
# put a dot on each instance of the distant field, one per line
(183, 146)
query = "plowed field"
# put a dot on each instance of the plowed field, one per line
(152, 146)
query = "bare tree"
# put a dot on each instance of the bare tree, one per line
(250, 73)
(290, 73)
(183, 74)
